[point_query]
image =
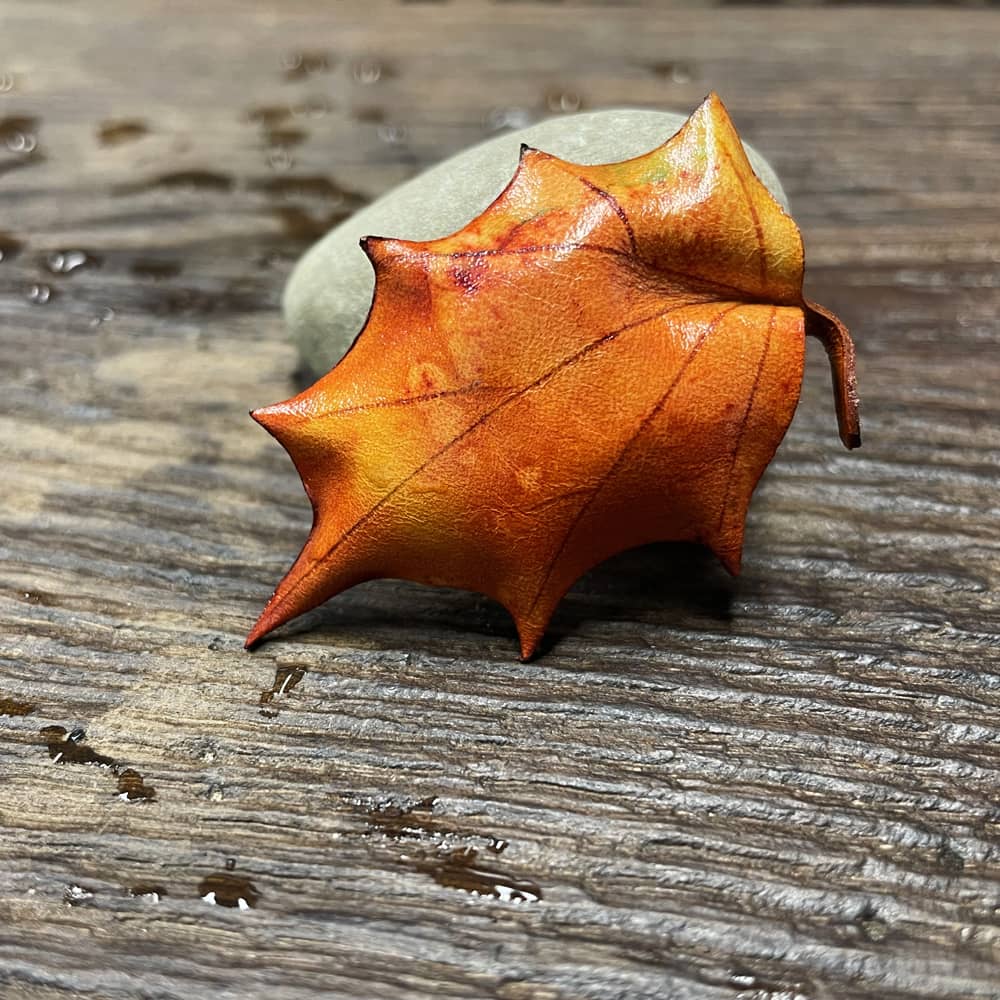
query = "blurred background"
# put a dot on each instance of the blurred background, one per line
(191, 151)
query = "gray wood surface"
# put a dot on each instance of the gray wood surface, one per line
(782, 786)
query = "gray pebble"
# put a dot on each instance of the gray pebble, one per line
(329, 291)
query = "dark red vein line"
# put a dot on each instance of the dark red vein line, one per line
(762, 259)
(745, 419)
(618, 210)
(385, 404)
(721, 286)
(517, 251)
(536, 383)
(619, 460)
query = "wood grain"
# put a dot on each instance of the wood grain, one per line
(779, 786)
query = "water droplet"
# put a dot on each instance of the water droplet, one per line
(286, 679)
(68, 748)
(299, 65)
(6, 83)
(280, 159)
(9, 246)
(17, 132)
(675, 72)
(392, 135)
(459, 869)
(104, 316)
(22, 143)
(316, 107)
(132, 788)
(742, 981)
(399, 822)
(76, 894)
(14, 706)
(38, 295)
(230, 864)
(68, 261)
(234, 891)
(513, 118)
(563, 101)
(429, 839)
(148, 893)
(367, 71)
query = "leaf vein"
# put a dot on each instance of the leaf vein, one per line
(385, 404)
(616, 465)
(759, 229)
(482, 419)
(731, 291)
(617, 208)
(745, 419)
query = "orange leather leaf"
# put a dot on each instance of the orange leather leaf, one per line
(607, 356)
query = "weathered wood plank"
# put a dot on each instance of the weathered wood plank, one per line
(781, 786)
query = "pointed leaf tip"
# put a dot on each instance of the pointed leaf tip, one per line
(261, 416)
(270, 619)
(376, 248)
(259, 630)
(368, 246)
(709, 103)
(272, 418)
(255, 635)
(383, 249)
(528, 648)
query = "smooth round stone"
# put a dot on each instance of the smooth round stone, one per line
(328, 294)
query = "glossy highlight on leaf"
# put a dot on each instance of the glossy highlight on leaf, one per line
(607, 356)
